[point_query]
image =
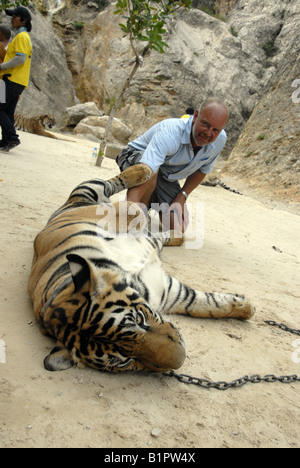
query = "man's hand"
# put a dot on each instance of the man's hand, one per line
(178, 214)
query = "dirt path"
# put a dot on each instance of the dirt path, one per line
(83, 408)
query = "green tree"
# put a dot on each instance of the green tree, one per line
(8, 4)
(145, 21)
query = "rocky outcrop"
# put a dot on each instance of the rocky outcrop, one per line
(250, 59)
(94, 128)
(204, 59)
(87, 121)
(267, 153)
(79, 112)
(70, 22)
(220, 8)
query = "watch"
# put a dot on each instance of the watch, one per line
(184, 193)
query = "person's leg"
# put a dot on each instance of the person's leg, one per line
(7, 111)
(158, 193)
(162, 198)
(128, 157)
(164, 191)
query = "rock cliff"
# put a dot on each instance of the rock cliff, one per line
(245, 51)
(266, 155)
(204, 59)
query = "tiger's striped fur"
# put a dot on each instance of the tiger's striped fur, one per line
(105, 299)
(36, 125)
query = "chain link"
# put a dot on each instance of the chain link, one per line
(270, 378)
(187, 379)
(282, 326)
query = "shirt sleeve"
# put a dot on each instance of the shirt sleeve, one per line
(206, 169)
(21, 44)
(19, 59)
(161, 145)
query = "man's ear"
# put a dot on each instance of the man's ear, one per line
(195, 116)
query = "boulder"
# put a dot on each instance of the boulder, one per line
(96, 126)
(79, 112)
(112, 151)
(89, 132)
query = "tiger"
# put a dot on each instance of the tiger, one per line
(35, 125)
(105, 298)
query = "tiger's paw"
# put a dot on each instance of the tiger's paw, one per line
(241, 308)
(136, 175)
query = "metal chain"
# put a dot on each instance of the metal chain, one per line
(270, 378)
(188, 379)
(282, 326)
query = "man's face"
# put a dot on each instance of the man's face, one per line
(208, 124)
(16, 22)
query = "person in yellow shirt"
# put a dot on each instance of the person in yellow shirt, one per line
(188, 113)
(15, 72)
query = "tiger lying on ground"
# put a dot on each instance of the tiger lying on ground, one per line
(105, 298)
(35, 125)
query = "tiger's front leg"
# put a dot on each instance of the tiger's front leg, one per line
(186, 301)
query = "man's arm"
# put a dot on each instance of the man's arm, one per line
(191, 183)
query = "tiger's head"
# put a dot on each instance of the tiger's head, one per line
(47, 120)
(100, 319)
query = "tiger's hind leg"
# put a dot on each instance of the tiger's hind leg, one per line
(99, 191)
(131, 177)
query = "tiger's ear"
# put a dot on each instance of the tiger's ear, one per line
(81, 271)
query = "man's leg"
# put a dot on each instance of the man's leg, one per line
(158, 193)
(161, 200)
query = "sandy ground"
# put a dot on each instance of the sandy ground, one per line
(83, 408)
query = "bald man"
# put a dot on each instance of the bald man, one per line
(177, 149)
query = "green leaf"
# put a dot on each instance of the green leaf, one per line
(124, 28)
(146, 20)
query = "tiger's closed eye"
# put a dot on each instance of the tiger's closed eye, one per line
(140, 319)
(126, 322)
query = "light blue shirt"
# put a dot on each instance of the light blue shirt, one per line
(167, 145)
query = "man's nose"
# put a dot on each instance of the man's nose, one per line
(209, 132)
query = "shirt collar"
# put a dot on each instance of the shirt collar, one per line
(186, 135)
(21, 29)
